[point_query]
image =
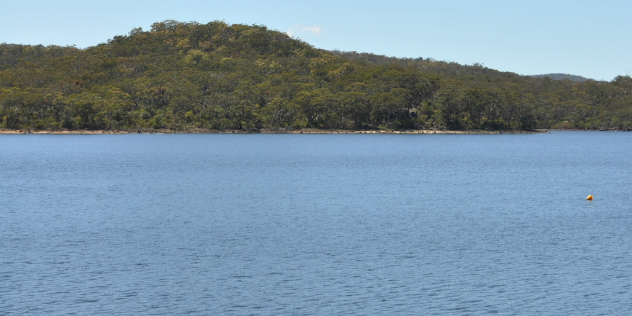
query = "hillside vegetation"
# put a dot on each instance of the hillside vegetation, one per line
(563, 77)
(183, 76)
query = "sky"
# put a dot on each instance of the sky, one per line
(588, 38)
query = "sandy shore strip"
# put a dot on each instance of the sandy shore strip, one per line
(261, 131)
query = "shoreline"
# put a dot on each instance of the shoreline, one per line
(261, 131)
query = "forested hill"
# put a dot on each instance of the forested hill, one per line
(182, 76)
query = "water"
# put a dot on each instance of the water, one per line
(316, 224)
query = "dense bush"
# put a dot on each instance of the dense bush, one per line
(217, 76)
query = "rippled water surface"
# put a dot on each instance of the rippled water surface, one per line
(316, 224)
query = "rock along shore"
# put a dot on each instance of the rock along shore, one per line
(257, 131)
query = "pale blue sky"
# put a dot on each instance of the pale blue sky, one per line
(590, 38)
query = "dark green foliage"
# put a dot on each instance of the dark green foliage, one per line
(181, 76)
(563, 77)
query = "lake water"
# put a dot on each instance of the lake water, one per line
(316, 224)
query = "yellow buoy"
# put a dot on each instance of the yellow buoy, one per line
(589, 198)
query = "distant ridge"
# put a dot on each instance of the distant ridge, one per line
(563, 77)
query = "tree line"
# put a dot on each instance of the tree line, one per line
(184, 76)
